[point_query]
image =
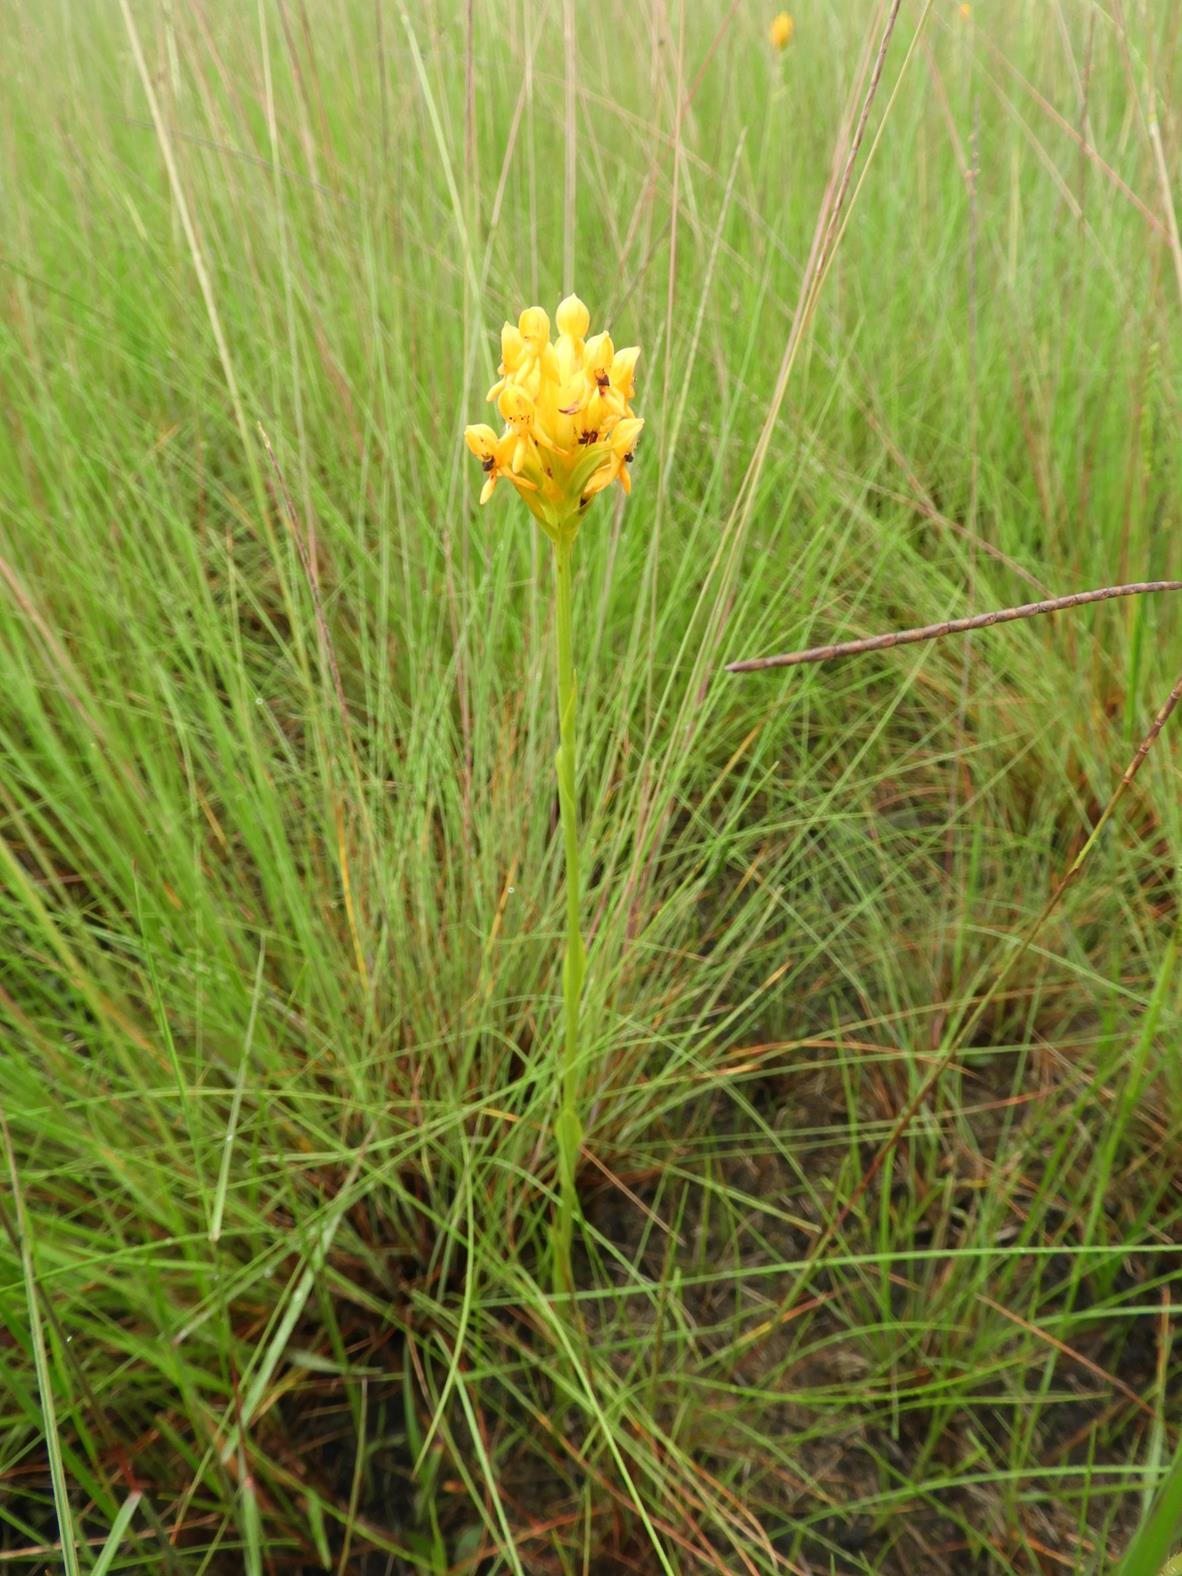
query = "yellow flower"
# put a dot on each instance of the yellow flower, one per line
(573, 322)
(570, 430)
(512, 357)
(966, 10)
(781, 30)
(494, 454)
(623, 452)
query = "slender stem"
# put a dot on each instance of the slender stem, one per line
(569, 1129)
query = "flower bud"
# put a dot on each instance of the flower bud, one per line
(535, 328)
(573, 317)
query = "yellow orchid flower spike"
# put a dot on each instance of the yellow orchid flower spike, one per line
(570, 432)
(564, 404)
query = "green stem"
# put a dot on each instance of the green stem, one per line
(569, 1128)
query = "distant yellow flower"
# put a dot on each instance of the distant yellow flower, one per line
(570, 430)
(966, 10)
(781, 30)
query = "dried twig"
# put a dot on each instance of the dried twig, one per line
(954, 626)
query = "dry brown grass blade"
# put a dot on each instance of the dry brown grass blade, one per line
(309, 558)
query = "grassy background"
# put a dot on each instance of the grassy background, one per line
(280, 895)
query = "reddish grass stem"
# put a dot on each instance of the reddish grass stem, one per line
(954, 626)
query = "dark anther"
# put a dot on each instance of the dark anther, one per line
(629, 457)
(589, 437)
(603, 380)
(488, 462)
